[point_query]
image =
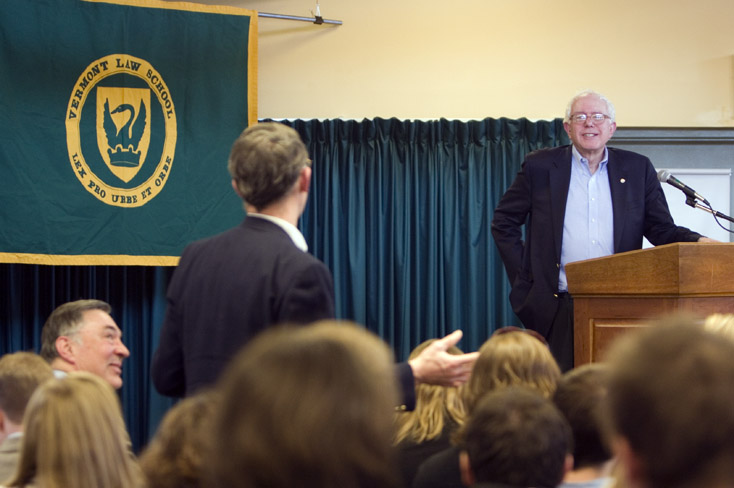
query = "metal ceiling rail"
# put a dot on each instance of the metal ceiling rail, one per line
(314, 20)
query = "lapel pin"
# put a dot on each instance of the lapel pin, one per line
(622, 180)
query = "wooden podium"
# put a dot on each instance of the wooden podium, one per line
(621, 292)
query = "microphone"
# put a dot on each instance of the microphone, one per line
(665, 177)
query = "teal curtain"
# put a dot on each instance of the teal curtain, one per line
(399, 211)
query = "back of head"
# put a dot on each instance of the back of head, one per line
(307, 406)
(435, 407)
(74, 435)
(20, 374)
(670, 400)
(514, 358)
(720, 323)
(175, 456)
(265, 162)
(64, 321)
(581, 397)
(518, 438)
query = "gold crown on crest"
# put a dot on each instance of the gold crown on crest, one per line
(124, 157)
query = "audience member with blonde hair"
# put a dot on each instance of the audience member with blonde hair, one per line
(74, 436)
(175, 456)
(20, 374)
(439, 410)
(511, 357)
(307, 407)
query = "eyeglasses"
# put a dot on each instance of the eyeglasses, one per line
(595, 118)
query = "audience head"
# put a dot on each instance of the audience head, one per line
(74, 435)
(265, 163)
(175, 456)
(720, 323)
(517, 438)
(581, 397)
(435, 407)
(20, 374)
(670, 402)
(82, 336)
(307, 406)
(512, 358)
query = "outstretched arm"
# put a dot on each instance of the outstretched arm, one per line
(436, 366)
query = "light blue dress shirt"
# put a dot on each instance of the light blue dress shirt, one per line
(595, 483)
(588, 226)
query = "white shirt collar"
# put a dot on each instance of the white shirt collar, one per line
(289, 229)
(579, 157)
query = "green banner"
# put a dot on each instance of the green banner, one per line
(116, 121)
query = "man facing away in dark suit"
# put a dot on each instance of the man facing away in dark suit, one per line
(230, 287)
(576, 202)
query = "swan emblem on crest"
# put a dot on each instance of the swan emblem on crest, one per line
(123, 141)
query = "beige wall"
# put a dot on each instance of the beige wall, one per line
(667, 63)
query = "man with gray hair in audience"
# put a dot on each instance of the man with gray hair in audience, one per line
(82, 336)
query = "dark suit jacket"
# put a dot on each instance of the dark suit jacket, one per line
(440, 470)
(537, 199)
(406, 385)
(412, 454)
(227, 289)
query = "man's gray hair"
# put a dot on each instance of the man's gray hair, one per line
(65, 320)
(586, 93)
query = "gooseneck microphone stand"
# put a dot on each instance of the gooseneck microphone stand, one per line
(693, 202)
